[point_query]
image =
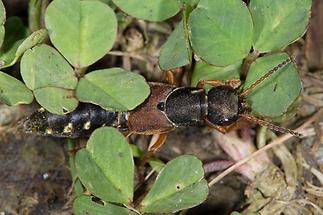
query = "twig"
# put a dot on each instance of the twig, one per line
(248, 61)
(315, 172)
(273, 143)
(217, 165)
(307, 202)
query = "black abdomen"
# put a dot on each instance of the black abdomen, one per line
(186, 106)
(79, 123)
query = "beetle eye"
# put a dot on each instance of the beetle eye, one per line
(161, 106)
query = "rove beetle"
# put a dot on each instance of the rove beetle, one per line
(166, 108)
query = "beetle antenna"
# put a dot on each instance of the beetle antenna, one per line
(269, 125)
(265, 76)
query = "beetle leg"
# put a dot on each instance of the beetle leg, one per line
(156, 144)
(222, 129)
(173, 76)
(170, 77)
(234, 83)
(126, 134)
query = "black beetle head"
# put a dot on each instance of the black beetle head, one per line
(224, 105)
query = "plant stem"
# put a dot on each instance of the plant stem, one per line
(79, 72)
(76, 182)
(248, 61)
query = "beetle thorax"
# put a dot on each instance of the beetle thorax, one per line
(186, 106)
